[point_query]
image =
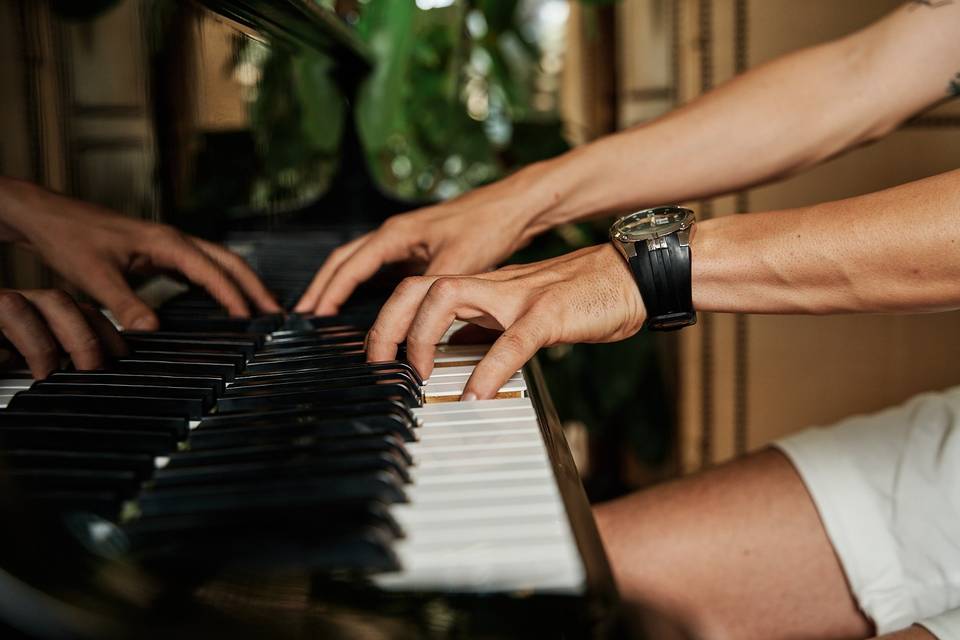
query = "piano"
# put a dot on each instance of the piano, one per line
(258, 478)
(223, 457)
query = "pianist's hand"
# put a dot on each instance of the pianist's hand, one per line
(41, 323)
(585, 296)
(470, 234)
(95, 249)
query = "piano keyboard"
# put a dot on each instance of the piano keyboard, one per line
(207, 432)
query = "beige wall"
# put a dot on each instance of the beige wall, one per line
(745, 380)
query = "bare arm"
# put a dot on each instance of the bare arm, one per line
(773, 121)
(894, 250)
(776, 120)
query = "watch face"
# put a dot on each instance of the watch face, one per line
(651, 223)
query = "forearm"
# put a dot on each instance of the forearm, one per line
(773, 121)
(895, 250)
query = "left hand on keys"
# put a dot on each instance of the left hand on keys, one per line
(586, 296)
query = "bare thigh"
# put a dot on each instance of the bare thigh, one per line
(737, 551)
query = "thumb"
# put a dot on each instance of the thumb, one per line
(112, 290)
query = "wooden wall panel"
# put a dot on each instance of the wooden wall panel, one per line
(746, 380)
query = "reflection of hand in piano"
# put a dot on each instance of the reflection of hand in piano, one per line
(39, 322)
(468, 235)
(95, 249)
(586, 296)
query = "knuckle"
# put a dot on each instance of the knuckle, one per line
(446, 288)
(59, 297)
(12, 302)
(409, 285)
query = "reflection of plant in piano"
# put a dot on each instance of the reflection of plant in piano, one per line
(451, 103)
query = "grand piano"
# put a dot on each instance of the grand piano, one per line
(257, 478)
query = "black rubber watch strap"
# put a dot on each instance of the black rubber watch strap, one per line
(663, 277)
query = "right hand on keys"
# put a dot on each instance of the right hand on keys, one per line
(470, 234)
(585, 296)
(95, 249)
(41, 323)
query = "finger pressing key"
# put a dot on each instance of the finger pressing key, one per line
(70, 326)
(24, 327)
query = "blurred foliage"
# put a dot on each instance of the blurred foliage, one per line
(446, 108)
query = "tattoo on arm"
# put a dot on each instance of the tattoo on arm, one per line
(953, 89)
(933, 4)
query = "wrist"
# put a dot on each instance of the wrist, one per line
(17, 209)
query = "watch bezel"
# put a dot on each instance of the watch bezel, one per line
(617, 233)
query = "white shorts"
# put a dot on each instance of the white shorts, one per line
(887, 487)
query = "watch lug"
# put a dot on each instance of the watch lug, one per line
(684, 236)
(626, 249)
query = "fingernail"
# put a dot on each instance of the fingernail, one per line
(469, 396)
(143, 323)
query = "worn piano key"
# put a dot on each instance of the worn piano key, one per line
(171, 427)
(109, 404)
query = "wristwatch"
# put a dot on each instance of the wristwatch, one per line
(656, 244)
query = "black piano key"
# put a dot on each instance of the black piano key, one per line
(347, 445)
(262, 324)
(254, 340)
(242, 347)
(76, 439)
(171, 427)
(385, 391)
(333, 372)
(205, 396)
(235, 359)
(112, 377)
(191, 408)
(319, 429)
(142, 465)
(304, 466)
(311, 493)
(352, 356)
(173, 367)
(342, 541)
(316, 410)
(103, 503)
(124, 482)
(318, 382)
